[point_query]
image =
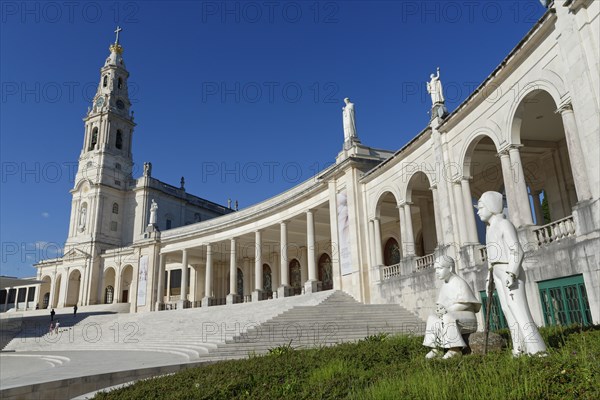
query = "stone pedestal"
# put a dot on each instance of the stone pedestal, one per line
(258, 295)
(312, 286)
(586, 214)
(233, 299)
(285, 291)
(208, 301)
(181, 304)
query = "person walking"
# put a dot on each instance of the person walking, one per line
(75, 310)
(52, 315)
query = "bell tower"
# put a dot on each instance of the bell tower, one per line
(104, 174)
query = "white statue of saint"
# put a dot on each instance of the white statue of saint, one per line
(455, 312)
(505, 256)
(349, 121)
(434, 88)
(82, 219)
(153, 210)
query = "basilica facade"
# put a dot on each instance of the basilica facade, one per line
(373, 223)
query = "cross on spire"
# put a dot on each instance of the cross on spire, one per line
(119, 29)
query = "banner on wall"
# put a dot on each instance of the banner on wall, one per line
(142, 281)
(344, 233)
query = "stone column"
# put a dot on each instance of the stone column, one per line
(184, 279)
(378, 244)
(117, 295)
(258, 276)
(469, 212)
(460, 212)
(520, 186)
(511, 198)
(169, 285)
(439, 230)
(6, 299)
(26, 297)
(231, 297)
(160, 294)
(311, 285)
(576, 157)
(208, 283)
(372, 243)
(408, 237)
(283, 289)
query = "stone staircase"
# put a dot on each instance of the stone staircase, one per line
(339, 318)
(226, 332)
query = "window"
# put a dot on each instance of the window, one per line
(105, 81)
(267, 283)
(109, 293)
(497, 319)
(118, 166)
(119, 140)
(169, 223)
(391, 253)
(113, 226)
(94, 140)
(120, 83)
(565, 301)
(115, 209)
(46, 300)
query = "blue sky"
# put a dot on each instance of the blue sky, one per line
(242, 98)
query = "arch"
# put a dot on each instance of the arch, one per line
(422, 212)
(73, 287)
(391, 252)
(93, 139)
(295, 274)
(105, 81)
(109, 294)
(109, 280)
(45, 289)
(325, 271)
(380, 197)
(466, 155)
(120, 83)
(126, 279)
(544, 154)
(555, 90)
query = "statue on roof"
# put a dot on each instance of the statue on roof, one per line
(434, 88)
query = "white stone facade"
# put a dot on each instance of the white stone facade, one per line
(372, 223)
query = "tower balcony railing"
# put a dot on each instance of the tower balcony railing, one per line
(555, 231)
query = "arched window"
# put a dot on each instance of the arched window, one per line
(119, 140)
(105, 81)
(325, 275)
(295, 275)
(46, 300)
(267, 279)
(120, 83)
(115, 208)
(391, 252)
(94, 140)
(109, 293)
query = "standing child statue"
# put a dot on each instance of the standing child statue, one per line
(505, 257)
(455, 313)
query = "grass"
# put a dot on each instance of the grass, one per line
(391, 367)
